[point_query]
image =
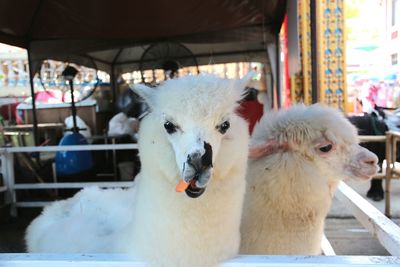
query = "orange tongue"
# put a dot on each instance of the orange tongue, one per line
(181, 186)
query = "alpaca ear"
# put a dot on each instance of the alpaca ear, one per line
(267, 148)
(242, 83)
(145, 92)
(242, 91)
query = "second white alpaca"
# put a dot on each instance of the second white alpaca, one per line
(289, 189)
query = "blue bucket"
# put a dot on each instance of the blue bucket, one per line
(73, 162)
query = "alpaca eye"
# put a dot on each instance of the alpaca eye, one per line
(224, 127)
(326, 148)
(170, 127)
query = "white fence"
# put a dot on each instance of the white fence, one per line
(387, 232)
(381, 227)
(114, 260)
(7, 155)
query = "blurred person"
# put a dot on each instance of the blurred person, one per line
(396, 95)
(357, 103)
(121, 124)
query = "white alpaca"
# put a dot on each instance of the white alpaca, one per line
(121, 124)
(193, 134)
(289, 190)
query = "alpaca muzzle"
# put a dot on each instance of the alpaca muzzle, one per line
(364, 165)
(198, 171)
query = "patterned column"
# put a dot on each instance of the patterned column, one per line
(331, 53)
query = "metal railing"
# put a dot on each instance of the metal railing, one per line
(101, 260)
(392, 172)
(7, 156)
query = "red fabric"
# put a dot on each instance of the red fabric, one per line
(8, 109)
(252, 111)
(286, 77)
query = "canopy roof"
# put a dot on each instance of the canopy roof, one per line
(114, 34)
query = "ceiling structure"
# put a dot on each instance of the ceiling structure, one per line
(112, 35)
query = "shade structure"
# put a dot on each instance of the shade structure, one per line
(114, 34)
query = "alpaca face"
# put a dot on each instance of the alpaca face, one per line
(195, 144)
(319, 137)
(344, 160)
(194, 115)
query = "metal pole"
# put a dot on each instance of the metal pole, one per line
(114, 80)
(113, 87)
(73, 107)
(34, 118)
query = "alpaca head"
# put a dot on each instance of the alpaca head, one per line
(318, 137)
(192, 115)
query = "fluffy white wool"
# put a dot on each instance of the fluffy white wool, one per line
(87, 222)
(69, 123)
(289, 193)
(153, 222)
(120, 124)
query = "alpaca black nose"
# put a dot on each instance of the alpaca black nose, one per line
(206, 159)
(200, 161)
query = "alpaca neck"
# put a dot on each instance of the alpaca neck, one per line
(297, 201)
(195, 225)
(294, 199)
(290, 185)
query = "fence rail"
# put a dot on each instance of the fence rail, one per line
(72, 185)
(381, 227)
(116, 260)
(30, 149)
(7, 155)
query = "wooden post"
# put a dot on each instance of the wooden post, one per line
(303, 94)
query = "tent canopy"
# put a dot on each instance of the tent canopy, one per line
(114, 34)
